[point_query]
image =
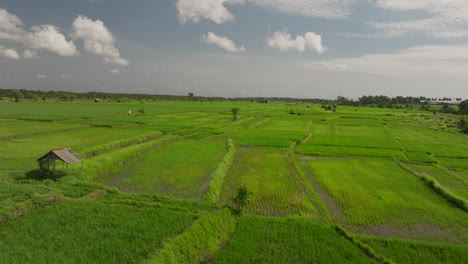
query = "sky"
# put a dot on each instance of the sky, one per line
(237, 48)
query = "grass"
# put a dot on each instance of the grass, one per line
(446, 178)
(349, 151)
(417, 252)
(271, 176)
(101, 167)
(288, 240)
(379, 197)
(10, 127)
(88, 232)
(181, 169)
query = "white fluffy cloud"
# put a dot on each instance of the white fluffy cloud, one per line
(446, 19)
(114, 71)
(284, 42)
(97, 39)
(46, 37)
(222, 42)
(40, 76)
(9, 53)
(64, 76)
(195, 10)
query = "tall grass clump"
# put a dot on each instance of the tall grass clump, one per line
(201, 242)
(217, 178)
(102, 148)
(112, 162)
(362, 246)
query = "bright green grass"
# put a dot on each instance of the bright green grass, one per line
(422, 139)
(181, 169)
(285, 240)
(447, 179)
(266, 137)
(10, 127)
(421, 157)
(88, 232)
(418, 252)
(349, 151)
(270, 175)
(379, 197)
(354, 141)
(454, 162)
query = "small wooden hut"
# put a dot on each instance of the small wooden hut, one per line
(47, 161)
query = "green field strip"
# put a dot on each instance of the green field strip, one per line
(445, 177)
(73, 231)
(454, 162)
(438, 188)
(378, 197)
(99, 168)
(100, 149)
(341, 151)
(288, 240)
(271, 176)
(180, 169)
(417, 251)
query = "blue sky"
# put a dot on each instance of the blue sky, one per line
(232, 48)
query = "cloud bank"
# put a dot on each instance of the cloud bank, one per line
(42, 37)
(445, 19)
(216, 11)
(222, 42)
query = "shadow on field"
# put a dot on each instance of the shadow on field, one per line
(38, 176)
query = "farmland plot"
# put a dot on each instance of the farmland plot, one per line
(181, 169)
(378, 197)
(89, 232)
(270, 175)
(418, 252)
(276, 240)
(10, 127)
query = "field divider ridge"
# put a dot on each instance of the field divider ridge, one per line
(201, 242)
(217, 178)
(103, 148)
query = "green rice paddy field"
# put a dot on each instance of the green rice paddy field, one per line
(359, 185)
